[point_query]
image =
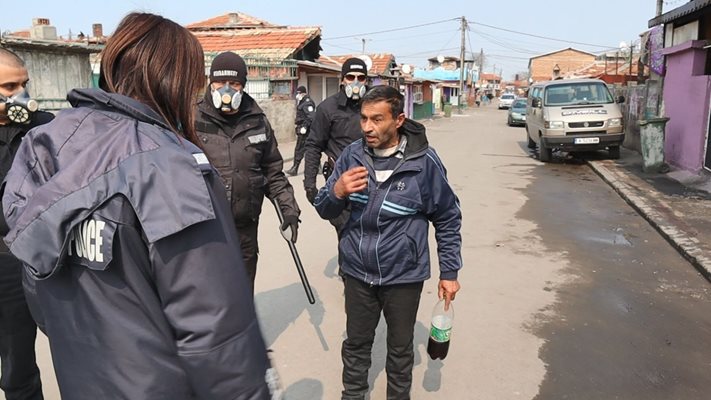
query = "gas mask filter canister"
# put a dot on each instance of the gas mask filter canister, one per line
(226, 99)
(19, 108)
(354, 90)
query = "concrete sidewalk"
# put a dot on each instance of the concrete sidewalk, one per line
(681, 213)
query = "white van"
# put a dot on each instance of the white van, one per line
(573, 115)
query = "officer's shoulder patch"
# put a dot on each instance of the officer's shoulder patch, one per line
(258, 138)
(201, 158)
(311, 108)
(91, 243)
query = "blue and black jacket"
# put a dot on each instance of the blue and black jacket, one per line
(385, 241)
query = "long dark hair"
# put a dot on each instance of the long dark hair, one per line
(159, 63)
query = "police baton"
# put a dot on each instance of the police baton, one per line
(294, 254)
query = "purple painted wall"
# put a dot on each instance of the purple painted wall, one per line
(686, 103)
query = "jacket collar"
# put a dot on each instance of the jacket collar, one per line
(101, 100)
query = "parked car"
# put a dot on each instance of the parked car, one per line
(517, 113)
(506, 100)
(573, 115)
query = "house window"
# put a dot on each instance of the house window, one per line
(259, 90)
(417, 94)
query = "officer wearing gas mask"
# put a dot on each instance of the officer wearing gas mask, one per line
(305, 109)
(18, 114)
(335, 126)
(239, 143)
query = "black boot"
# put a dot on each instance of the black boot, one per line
(294, 169)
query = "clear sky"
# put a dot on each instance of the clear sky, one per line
(603, 23)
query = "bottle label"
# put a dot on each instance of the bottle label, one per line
(440, 335)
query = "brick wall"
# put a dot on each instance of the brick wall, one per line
(567, 60)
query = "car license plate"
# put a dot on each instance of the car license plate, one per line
(523, 118)
(587, 140)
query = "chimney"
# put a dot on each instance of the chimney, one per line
(97, 30)
(233, 18)
(42, 30)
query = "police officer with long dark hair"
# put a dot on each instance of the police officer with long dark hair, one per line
(132, 262)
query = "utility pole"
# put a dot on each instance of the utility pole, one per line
(631, 55)
(363, 40)
(461, 63)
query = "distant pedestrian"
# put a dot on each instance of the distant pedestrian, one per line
(132, 262)
(305, 109)
(395, 185)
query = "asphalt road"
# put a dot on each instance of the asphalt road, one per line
(566, 292)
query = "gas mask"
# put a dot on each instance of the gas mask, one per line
(226, 99)
(354, 90)
(19, 108)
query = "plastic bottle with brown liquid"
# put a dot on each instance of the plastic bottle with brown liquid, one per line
(440, 331)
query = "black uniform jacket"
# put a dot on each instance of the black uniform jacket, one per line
(247, 157)
(10, 137)
(132, 262)
(305, 111)
(335, 126)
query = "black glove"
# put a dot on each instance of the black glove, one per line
(291, 221)
(311, 193)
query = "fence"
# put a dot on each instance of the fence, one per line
(641, 102)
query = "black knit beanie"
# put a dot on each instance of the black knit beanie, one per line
(228, 66)
(354, 65)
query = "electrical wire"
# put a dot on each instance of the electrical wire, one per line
(391, 30)
(536, 36)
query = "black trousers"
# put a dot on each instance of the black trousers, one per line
(300, 148)
(250, 249)
(364, 303)
(20, 378)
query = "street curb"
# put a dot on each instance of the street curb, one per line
(645, 205)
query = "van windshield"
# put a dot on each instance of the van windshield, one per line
(577, 94)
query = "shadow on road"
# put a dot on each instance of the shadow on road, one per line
(282, 306)
(305, 389)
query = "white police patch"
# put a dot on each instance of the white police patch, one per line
(91, 243)
(201, 158)
(254, 139)
(311, 108)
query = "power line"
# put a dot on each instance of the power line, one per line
(391, 30)
(537, 36)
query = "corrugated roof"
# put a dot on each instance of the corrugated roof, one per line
(381, 62)
(233, 20)
(276, 43)
(687, 9)
(74, 47)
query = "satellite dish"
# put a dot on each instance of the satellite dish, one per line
(406, 69)
(623, 45)
(367, 60)
(440, 59)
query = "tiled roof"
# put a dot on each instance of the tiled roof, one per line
(560, 51)
(598, 69)
(21, 34)
(490, 77)
(276, 43)
(235, 20)
(381, 62)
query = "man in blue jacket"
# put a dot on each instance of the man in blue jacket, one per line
(395, 185)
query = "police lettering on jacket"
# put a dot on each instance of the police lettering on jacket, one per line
(90, 243)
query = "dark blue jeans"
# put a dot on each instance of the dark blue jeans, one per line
(20, 378)
(364, 303)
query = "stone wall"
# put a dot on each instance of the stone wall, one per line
(281, 115)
